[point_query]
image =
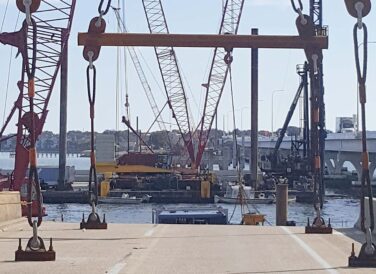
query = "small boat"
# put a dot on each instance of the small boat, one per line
(230, 200)
(124, 199)
(232, 196)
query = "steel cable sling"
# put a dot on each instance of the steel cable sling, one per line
(33, 172)
(35, 249)
(91, 54)
(367, 255)
(29, 65)
(362, 77)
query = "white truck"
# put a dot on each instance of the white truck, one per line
(346, 124)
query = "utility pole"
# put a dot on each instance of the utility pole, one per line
(254, 114)
(63, 111)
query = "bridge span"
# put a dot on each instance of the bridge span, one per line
(339, 149)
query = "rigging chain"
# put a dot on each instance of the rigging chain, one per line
(362, 77)
(33, 180)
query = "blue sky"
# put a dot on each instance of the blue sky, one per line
(277, 67)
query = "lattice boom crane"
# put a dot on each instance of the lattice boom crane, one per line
(218, 73)
(171, 75)
(142, 77)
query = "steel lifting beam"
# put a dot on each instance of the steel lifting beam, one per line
(202, 41)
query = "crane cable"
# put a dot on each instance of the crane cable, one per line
(5, 14)
(122, 27)
(241, 194)
(9, 68)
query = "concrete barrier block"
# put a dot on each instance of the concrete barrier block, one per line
(10, 205)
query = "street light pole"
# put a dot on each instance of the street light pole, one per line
(274, 91)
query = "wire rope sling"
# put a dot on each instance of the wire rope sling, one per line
(91, 54)
(367, 255)
(35, 249)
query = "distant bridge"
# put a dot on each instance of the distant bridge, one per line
(339, 148)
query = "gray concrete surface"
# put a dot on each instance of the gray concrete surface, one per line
(181, 249)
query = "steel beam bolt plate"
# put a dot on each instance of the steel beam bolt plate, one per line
(318, 229)
(364, 259)
(93, 222)
(31, 253)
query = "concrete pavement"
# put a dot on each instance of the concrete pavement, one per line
(147, 248)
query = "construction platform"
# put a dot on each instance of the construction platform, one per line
(147, 248)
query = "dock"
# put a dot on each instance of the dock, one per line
(146, 248)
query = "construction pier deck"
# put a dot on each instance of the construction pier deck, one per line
(147, 248)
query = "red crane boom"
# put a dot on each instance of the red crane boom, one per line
(53, 20)
(171, 76)
(218, 73)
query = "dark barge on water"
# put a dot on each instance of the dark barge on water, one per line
(190, 215)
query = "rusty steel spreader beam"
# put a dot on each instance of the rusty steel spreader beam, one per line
(202, 41)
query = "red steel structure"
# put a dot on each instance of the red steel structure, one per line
(232, 13)
(174, 87)
(53, 20)
(170, 72)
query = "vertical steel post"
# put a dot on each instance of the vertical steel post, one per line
(63, 111)
(137, 139)
(306, 136)
(316, 13)
(281, 204)
(128, 141)
(254, 113)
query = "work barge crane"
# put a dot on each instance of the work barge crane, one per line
(312, 39)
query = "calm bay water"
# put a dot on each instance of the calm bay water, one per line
(343, 212)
